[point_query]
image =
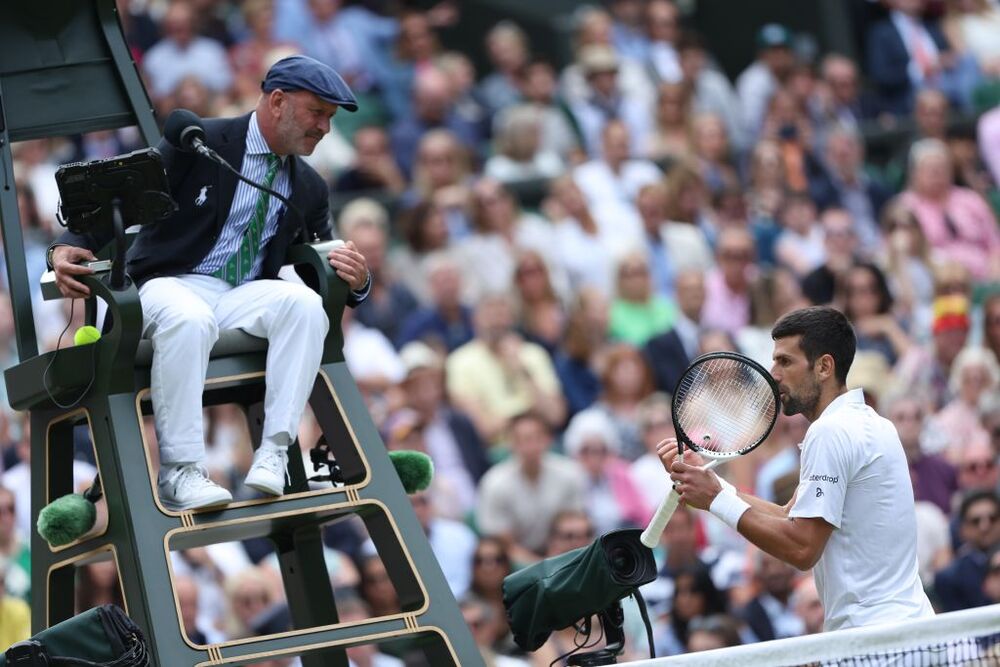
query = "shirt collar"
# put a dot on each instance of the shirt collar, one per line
(850, 397)
(256, 143)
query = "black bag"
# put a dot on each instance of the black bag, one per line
(556, 592)
(100, 637)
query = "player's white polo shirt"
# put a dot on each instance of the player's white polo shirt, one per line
(854, 475)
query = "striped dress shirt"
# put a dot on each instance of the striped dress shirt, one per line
(244, 203)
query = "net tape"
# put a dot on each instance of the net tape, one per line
(724, 405)
(966, 652)
(969, 638)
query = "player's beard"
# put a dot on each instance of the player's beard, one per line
(803, 401)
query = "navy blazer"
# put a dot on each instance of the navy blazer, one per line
(888, 63)
(668, 360)
(960, 584)
(757, 619)
(179, 243)
(470, 445)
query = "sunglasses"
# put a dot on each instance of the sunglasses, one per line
(530, 270)
(631, 271)
(489, 560)
(839, 233)
(988, 519)
(576, 537)
(979, 466)
(953, 287)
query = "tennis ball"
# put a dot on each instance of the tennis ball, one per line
(86, 335)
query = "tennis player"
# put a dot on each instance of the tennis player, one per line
(852, 516)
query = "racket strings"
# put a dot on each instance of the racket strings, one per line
(724, 406)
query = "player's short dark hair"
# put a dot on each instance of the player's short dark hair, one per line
(822, 330)
(974, 497)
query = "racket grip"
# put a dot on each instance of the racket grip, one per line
(668, 505)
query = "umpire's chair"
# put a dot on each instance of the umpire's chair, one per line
(65, 69)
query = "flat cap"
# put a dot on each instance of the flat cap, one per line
(304, 73)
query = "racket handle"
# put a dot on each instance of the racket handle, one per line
(668, 505)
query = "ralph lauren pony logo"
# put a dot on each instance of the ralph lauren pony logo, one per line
(202, 196)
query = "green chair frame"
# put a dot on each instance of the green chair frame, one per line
(65, 69)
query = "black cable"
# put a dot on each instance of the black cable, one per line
(93, 356)
(580, 646)
(644, 613)
(280, 197)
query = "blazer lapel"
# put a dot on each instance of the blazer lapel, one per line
(288, 218)
(232, 149)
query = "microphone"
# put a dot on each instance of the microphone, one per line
(185, 131)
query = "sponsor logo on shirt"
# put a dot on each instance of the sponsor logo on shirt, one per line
(824, 478)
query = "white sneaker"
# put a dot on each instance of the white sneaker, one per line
(269, 470)
(187, 487)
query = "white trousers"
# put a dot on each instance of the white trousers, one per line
(182, 315)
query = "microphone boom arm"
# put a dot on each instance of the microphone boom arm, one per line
(204, 150)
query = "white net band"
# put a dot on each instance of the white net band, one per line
(969, 638)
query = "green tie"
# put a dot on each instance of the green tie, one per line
(239, 265)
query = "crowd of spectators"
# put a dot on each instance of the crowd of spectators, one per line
(552, 243)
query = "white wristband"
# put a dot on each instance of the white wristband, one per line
(729, 507)
(726, 486)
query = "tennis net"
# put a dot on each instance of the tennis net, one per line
(969, 638)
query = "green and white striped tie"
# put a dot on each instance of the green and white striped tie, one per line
(239, 265)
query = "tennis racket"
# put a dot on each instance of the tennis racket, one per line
(724, 405)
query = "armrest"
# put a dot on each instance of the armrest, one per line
(50, 292)
(310, 262)
(107, 366)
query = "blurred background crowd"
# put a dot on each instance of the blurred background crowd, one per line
(553, 238)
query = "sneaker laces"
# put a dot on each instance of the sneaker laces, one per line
(191, 475)
(275, 459)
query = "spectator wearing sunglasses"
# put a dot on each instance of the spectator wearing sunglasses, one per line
(613, 501)
(571, 529)
(482, 620)
(960, 585)
(934, 478)
(977, 468)
(490, 564)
